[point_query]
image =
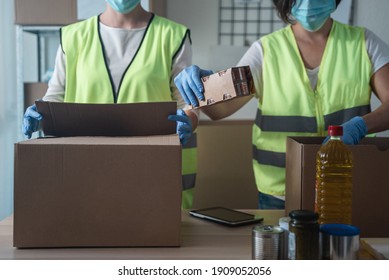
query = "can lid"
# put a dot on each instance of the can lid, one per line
(339, 229)
(335, 130)
(267, 229)
(303, 215)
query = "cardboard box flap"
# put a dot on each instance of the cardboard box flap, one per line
(222, 109)
(155, 140)
(379, 143)
(33, 92)
(132, 119)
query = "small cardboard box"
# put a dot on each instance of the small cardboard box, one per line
(45, 12)
(370, 181)
(226, 91)
(100, 191)
(33, 92)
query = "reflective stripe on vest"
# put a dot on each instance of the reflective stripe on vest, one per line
(189, 163)
(146, 79)
(288, 105)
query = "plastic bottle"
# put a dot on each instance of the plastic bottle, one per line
(334, 165)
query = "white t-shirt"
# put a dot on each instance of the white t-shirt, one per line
(120, 46)
(377, 50)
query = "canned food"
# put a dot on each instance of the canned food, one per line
(268, 243)
(339, 242)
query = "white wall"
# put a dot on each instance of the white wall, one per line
(373, 14)
(201, 18)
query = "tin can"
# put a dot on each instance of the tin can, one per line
(339, 242)
(268, 242)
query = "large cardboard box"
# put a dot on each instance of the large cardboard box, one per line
(226, 91)
(45, 12)
(370, 181)
(99, 191)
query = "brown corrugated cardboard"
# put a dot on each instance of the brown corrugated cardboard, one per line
(225, 174)
(226, 91)
(370, 181)
(45, 12)
(158, 7)
(33, 92)
(98, 192)
(132, 119)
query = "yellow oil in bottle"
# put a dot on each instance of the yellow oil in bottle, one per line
(334, 165)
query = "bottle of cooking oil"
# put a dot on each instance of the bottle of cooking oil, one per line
(334, 165)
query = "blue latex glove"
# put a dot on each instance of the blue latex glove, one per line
(189, 84)
(184, 125)
(353, 131)
(31, 121)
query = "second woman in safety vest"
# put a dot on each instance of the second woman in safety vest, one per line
(308, 75)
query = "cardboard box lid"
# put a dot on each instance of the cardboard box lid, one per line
(132, 119)
(226, 91)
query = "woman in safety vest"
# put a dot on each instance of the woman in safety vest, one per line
(308, 75)
(125, 55)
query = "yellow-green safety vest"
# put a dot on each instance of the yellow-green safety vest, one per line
(146, 79)
(288, 106)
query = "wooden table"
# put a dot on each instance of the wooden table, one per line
(200, 240)
(375, 248)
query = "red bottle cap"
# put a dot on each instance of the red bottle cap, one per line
(335, 130)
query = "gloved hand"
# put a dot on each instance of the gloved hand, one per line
(189, 84)
(31, 121)
(353, 131)
(184, 125)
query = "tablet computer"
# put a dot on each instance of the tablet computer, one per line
(225, 216)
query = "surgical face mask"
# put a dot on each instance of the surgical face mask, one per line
(123, 6)
(312, 14)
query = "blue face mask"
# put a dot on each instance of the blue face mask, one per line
(123, 6)
(312, 14)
